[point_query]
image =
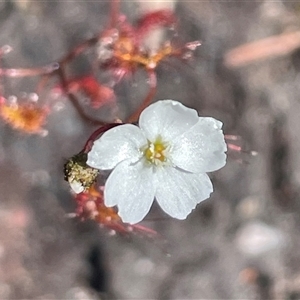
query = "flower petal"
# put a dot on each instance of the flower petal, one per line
(200, 149)
(115, 145)
(167, 118)
(178, 192)
(130, 187)
(76, 186)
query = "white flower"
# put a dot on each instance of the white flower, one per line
(166, 158)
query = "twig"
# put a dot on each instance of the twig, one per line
(115, 12)
(152, 82)
(23, 72)
(274, 46)
(75, 101)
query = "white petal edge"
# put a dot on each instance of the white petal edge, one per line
(76, 186)
(178, 192)
(201, 149)
(167, 118)
(115, 145)
(130, 187)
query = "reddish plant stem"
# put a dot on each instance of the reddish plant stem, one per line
(47, 70)
(152, 82)
(2, 52)
(75, 101)
(69, 57)
(89, 143)
(114, 13)
(79, 49)
(42, 83)
(17, 73)
(231, 137)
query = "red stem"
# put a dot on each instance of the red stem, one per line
(152, 82)
(89, 143)
(16, 73)
(79, 49)
(66, 59)
(114, 13)
(75, 101)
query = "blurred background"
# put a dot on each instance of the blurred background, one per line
(242, 243)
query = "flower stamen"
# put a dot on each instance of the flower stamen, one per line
(155, 152)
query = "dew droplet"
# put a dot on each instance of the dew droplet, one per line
(6, 49)
(12, 99)
(71, 215)
(112, 232)
(33, 97)
(58, 106)
(43, 133)
(54, 66)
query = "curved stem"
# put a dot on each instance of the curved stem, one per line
(153, 84)
(89, 143)
(79, 49)
(75, 101)
(67, 58)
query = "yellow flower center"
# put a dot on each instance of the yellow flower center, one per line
(155, 152)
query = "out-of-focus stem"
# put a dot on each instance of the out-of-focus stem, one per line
(66, 59)
(74, 100)
(79, 49)
(3, 50)
(17, 73)
(270, 47)
(232, 137)
(152, 82)
(42, 83)
(114, 13)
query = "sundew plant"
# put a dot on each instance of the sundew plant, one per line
(128, 130)
(163, 151)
